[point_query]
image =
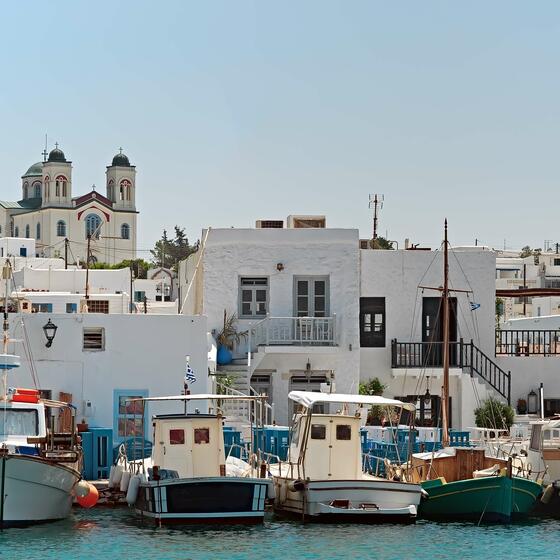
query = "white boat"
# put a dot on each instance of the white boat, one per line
(322, 478)
(188, 481)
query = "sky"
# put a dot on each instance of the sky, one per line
(235, 111)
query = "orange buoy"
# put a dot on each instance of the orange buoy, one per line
(90, 499)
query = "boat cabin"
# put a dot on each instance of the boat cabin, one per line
(20, 420)
(328, 446)
(544, 448)
(192, 445)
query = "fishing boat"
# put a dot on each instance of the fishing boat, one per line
(322, 478)
(39, 468)
(465, 483)
(188, 480)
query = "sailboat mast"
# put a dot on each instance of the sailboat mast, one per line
(5, 328)
(445, 309)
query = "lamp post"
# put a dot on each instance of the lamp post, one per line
(50, 332)
(532, 403)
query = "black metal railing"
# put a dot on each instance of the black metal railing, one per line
(464, 355)
(527, 343)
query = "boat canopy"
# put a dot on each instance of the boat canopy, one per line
(308, 399)
(203, 397)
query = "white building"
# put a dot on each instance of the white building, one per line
(318, 309)
(49, 213)
(99, 359)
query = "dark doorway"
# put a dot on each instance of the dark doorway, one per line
(372, 322)
(432, 331)
(428, 411)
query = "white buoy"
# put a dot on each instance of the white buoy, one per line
(82, 489)
(124, 481)
(132, 492)
(112, 477)
(117, 475)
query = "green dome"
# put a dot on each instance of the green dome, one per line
(36, 170)
(57, 155)
(121, 160)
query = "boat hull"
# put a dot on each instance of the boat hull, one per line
(203, 500)
(488, 499)
(352, 501)
(35, 490)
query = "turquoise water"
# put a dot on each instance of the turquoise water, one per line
(106, 534)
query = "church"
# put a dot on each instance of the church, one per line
(50, 214)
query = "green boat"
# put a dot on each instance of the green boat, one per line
(486, 499)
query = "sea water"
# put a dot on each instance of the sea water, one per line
(103, 534)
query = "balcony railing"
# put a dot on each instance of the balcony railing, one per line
(464, 355)
(527, 343)
(297, 331)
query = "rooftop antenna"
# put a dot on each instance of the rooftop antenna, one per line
(44, 154)
(376, 202)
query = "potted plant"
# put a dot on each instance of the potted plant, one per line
(521, 406)
(227, 338)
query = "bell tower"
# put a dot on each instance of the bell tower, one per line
(57, 179)
(121, 182)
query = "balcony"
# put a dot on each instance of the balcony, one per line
(527, 342)
(293, 331)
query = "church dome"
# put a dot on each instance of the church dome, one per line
(36, 170)
(57, 155)
(120, 160)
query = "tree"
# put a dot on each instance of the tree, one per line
(139, 266)
(528, 252)
(381, 243)
(500, 310)
(494, 415)
(167, 253)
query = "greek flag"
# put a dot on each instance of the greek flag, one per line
(474, 306)
(190, 377)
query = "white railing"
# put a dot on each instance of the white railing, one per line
(299, 331)
(256, 412)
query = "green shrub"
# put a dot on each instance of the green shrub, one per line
(493, 414)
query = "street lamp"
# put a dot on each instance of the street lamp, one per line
(50, 332)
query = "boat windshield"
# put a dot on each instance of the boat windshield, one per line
(19, 422)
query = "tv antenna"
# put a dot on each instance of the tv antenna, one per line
(376, 202)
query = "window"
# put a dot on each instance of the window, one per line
(71, 308)
(311, 296)
(38, 236)
(27, 231)
(18, 422)
(177, 437)
(60, 185)
(111, 190)
(98, 306)
(551, 407)
(124, 189)
(41, 308)
(139, 296)
(556, 262)
(128, 413)
(93, 226)
(37, 188)
(125, 231)
(318, 431)
(202, 435)
(61, 228)
(253, 297)
(344, 432)
(372, 322)
(16, 231)
(25, 190)
(94, 338)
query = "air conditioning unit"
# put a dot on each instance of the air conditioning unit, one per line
(298, 222)
(269, 224)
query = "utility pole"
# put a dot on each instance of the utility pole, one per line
(88, 256)
(375, 202)
(66, 253)
(524, 287)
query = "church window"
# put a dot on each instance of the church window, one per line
(38, 236)
(27, 231)
(16, 232)
(61, 228)
(125, 187)
(37, 189)
(125, 231)
(25, 190)
(93, 225)
(60, 186)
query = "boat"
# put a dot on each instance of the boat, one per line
(322, 478)
(39, 467)
(463, 483)
(188, 480)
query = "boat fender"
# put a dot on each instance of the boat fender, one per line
(112, 476)
(133, 487)
(124, 481)
(90, 499)
(547, 494)
(117, 476)
(81, 490)
(296, 486)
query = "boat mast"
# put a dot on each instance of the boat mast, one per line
(5, 328)
(445, 309)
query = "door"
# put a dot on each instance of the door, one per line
(372, 322)
(176, 455)
(261, 384)
(311, 303)
(307, 382)
(432, 331)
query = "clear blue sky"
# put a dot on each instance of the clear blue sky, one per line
(238, 110)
